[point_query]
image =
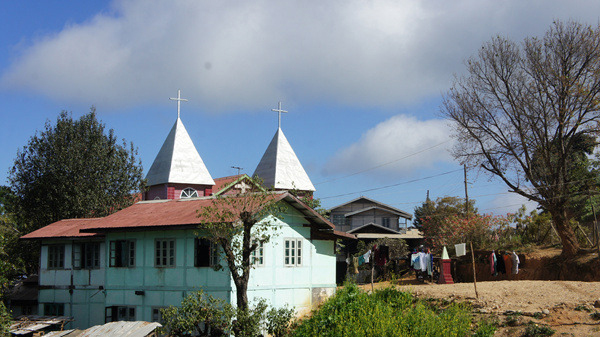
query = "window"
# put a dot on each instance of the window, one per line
(189, 193)
(119, 313)
(338, 219)
(164, 253)
(122, 253)
(385, 222)
(56, 257)
(86, 255)
(206, 253)
(293, 252)
(257, 257)
(157, 314)
(54, 309)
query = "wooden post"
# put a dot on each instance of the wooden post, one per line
(474, 272)
(372, 270)
(470, 242)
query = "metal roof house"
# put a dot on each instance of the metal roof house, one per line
(366, 217)
(130, 264)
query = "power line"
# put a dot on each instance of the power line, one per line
(392, 185)
(381, 165)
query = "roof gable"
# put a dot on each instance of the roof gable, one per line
(240, 183)
(279, 166)
(372, 228)
(178, 161)
(387, 210)
(376, 204)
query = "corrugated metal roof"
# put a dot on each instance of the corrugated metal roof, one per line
(68, 228)
(223, 182)
(381, 204)
(70, 333)
(32, 323)
(149, 215)
(280, 168)
(178, 161)
(124, 329)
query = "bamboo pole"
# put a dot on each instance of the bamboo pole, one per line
(474, 272)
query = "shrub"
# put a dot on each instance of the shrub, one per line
(248, 322)
(199, 313)
(387, 312)
(278, 321)
(534, 330)
(486, 328)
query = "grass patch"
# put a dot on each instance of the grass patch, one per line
(388, 312)
(535, 330)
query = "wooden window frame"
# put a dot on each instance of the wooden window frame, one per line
(56, 259)
(164, 257)
(292, 252)
(86, 255)
(200, 249)
(127, 261)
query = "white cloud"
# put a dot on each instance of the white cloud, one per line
(401, 145)
(239, 54)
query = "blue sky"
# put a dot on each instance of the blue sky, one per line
(362, 81)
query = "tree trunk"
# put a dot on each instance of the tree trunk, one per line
(566, 233)
(242, 294)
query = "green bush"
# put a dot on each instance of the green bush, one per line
(486, 328)
(201, 314)
(387, 312)
(248, 322)
(278, 321)
(534, 330)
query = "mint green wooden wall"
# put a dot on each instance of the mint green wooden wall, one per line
(301, 287)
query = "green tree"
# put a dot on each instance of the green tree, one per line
(73, 169)
(239, 224)
(436, 211)
(520, 101)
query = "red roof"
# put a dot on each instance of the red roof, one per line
(68, 228)
(158, 214)
(221, 183)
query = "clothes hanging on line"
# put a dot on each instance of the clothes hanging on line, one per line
(414, 260)
(361, 260)
(507, 263)
(367, 255)
(461, 249)
(500, 266)
(493, 263)
(515, 262)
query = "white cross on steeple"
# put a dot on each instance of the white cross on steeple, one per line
(179, 100)
(279, 111)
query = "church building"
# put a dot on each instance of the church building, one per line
(130, 264)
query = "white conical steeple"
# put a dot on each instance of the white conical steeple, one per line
(280, 167)
(178, 161)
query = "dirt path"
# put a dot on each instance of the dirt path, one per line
(524, 296)
(565, 306)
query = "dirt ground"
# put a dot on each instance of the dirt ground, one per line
(565, 306)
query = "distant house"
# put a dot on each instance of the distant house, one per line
(369, 220)
(130, 264)
(364, 215)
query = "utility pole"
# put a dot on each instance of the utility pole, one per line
(471, 242)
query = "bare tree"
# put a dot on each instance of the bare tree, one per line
(520, 108)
